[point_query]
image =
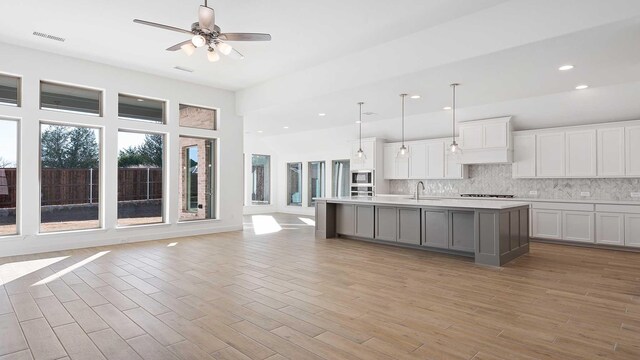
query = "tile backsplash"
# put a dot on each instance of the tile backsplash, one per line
(496, 179)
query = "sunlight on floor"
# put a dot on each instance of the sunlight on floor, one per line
(16, 270)
(308, 221)
(70, 268)
(172, 244)
(265, 224)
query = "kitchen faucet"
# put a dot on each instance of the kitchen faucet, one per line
(418, 191)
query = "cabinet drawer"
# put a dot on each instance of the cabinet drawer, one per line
(562, 206)
(626, 209)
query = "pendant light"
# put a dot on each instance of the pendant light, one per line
(360, 155)
(454, 148)
(404, 150)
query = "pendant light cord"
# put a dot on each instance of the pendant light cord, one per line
(360, 123)
(453, 109)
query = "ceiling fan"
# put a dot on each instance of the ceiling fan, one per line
(205, 32)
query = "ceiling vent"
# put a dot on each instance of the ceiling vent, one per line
(183, 69)
(48, 36)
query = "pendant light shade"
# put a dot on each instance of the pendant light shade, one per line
(403, 152)
(360, 156)
(454, 149)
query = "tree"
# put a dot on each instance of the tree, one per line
(4, 163)
(66, 147)
(82, 149)
(130, 157)
(151, 150)
(53, 142)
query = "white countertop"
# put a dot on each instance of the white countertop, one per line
(578, 201)
(429, 201)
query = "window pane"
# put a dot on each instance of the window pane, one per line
(197, 195)
(316, 181)
(8, 183)
(136, 108)
(294, 184)
(69, 98)
(197, 117)
(140, 160)
(340, 178)
(260, 172)
(9, 90)
(69, 178)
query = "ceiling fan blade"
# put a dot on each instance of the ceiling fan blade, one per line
(162, 26)
(206, 18)
(245, 37)
(178, 46)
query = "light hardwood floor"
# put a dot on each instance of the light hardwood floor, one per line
(283, 294)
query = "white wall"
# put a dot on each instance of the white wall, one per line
(34, 66)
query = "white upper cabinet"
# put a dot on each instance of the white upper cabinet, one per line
(486, 141)
(632, 147)
(580, 153)
(418, 160)
(369, 148)
(394, 167)
(435, 160)
(524, 156)
(611, 152)
(550, 155)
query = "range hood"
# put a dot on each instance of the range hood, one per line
(486, 141)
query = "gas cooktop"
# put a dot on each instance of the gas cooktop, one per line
(497, 196)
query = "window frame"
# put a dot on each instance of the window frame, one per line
(145, 98)
(216, 118)
(323, 175)
(215, 193)
(101, 98)
(300, 182)
(18, 78)
(18, 229)
(267, 188)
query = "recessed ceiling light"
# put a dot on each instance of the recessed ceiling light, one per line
(285, 127)
(446, 108)
(565, 67)
(581, 87)
(415, 96)
(358, 121)
(322, 114)
(259, 131)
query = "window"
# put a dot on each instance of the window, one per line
(340, 178)
(140, 190)
(198, 117)
(8, 176)
(294, 184)
(316, 181)
(137, 108)
(9, 90)
(69, 177)
(70, 99)
(197, 195)
(260, 173)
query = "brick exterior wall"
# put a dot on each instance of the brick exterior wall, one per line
(201, 213)
(196, 117)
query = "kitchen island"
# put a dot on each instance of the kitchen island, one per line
(493, 232)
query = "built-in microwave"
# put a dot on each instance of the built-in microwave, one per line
(362, 177)
(361, 190)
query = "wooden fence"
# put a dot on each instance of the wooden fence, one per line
(81, 186)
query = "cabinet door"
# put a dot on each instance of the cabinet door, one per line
(524, 156)
(435, 160)
(418, 161)
(345, 219)
(386, 218)
(580, 153)
(611, 159)
(550, 155)
(471, 136)
(435, 228)
(610, 228)
(632, 147)
(402, 166)
(369, 147)
(578, 226)
(364, 221)
(632, 230)
(461, 230)
(409, 226)
(547, 224)
(389, 161)
(495, 135)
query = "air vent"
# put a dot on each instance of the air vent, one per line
(48, 36)
(183, 69)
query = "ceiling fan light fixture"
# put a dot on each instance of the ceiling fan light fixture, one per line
(198, 40)
(224, 48)
(212, 55)
(188, 49)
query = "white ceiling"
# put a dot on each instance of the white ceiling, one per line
(327, 55)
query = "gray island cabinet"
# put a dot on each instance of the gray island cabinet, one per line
(492, 232)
